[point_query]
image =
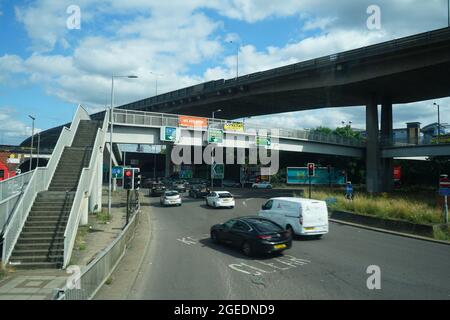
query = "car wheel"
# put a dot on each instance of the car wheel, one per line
(214, 237)
(290, 230)
(232, 207)
(247, 249)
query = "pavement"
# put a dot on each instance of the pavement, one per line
(40, 284)
(172, 257)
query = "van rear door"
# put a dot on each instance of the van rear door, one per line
(314, 214)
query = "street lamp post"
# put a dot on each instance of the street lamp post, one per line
(212, 151)
(156, 81)
(439, 123)
(32, 140)
(111, 123)
(237, 58)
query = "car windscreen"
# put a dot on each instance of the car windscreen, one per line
(225, 195)
(264, 226)
(171, 194)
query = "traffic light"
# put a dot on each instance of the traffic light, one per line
(128, 179)
(311, 169)
(136, 179)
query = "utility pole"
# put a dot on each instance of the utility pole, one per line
(212, 151)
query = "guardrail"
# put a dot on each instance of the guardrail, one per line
(84, 189)
(98, 271)
(39, 181)
(144, 118)
(10, 191)
(422, 39)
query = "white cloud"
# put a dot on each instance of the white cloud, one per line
(150, 36)
(13, 130)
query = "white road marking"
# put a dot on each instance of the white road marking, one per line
(186, 241)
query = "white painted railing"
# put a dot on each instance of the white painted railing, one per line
(10, 191)
(39, 181)
(85, 188)
(155, 119)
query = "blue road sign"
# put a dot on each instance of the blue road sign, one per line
(444, 191)
(349, 188)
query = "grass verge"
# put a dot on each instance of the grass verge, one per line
(103, 217)
(80, 242)
(412, 208)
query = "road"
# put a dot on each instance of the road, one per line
(182, 263)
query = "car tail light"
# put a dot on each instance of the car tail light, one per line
(264, 237)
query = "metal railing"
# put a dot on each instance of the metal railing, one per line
(39, 181)
(155, 119)
(98, 271)
(10, 192)
(84, 189)
(422, 39)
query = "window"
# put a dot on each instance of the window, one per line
(266, 226)
(241, 226)
(268, 205)
(2, 174)
(229, 224)
(225, 195)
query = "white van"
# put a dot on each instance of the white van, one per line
(298, 215)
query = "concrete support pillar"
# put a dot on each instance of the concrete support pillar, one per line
(168, 160)
(387, 134)
(373, 163)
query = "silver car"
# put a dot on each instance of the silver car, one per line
(170, 198)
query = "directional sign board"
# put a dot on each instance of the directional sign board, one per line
(170, 134)
(218, 171)
(215, 135)
(263, 141)
(117, 172)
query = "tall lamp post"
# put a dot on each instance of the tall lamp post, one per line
(111, 121)
(439, 123)
(237, 57)
(32, 140)
(156, 81)
(212, 151)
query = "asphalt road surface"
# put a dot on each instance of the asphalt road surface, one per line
(183, 263)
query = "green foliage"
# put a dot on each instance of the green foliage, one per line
(387, 206)
(103, 217)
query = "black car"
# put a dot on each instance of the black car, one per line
(157, 189)
(252, 235)
(231, 184)
(198, 191)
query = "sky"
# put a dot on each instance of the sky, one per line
(55, 55)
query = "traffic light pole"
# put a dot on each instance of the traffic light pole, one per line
(128, 208)
(446, 209)
(310, 187)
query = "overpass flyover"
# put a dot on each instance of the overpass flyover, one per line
(404, 70)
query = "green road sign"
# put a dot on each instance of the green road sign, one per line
(263, 141)
(169, 134)
(218, 171)
(215, 135)
(117, 172)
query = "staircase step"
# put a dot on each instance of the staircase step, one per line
(46, 223)
(37, 265)
(43, 240)
(43, 229)
(39, 235)
(37, 258)
(38, 252)
(47, 218)
(39, 246)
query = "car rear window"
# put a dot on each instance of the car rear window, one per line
(265, 225)
(171, 194)
(225, 195)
